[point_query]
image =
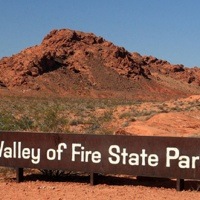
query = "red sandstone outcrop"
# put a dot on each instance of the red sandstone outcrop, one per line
(68, 49)
(68, 60)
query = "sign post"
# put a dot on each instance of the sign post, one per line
(19, 174)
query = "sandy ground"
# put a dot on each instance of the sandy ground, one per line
(106, 187)
(61, 191)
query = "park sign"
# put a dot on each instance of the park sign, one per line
(150, 156)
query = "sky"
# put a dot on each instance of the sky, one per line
(166, 29)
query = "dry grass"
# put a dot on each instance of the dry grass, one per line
(93, 116)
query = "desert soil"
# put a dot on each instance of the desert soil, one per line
(35, 186)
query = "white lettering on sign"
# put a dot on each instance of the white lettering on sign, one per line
(170, 157)
(79, 153)
(184, 161)
(53, 154)
(118, 155)
(16, 151)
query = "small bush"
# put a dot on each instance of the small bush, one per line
(52, 173)
(7, 122)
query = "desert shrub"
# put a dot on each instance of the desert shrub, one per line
(24, 123)
(126, 115)
(7, 122)
(107, 116)
(51, 121)
(75, 122)
(52, 173)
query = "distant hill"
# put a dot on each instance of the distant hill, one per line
(77, 64)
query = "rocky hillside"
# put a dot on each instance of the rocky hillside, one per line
(74, 63)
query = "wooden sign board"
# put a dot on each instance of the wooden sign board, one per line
(166, 157)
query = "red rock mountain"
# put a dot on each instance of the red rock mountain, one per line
(74, 63)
